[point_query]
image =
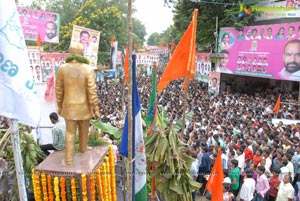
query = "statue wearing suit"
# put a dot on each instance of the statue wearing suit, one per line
(77, 100)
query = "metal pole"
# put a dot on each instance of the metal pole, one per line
(130, 160)
(216, 35)
(15, 140)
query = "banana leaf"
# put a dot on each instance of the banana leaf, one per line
(162, 119)
(188, 117)
(114, 132)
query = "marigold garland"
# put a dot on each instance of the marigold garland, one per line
(37, 194)
(111, 155)
(92, 187)
(104, 181)
(73, 189)
(50, 191)
(108, 177)
(62, 184)
(84, 187)
(56, 189)
(78, 58)
(99, 184)
(44, 186)
(102, 184)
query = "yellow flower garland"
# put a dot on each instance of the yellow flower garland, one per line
(37, 194)
(73, 189)
(56, 189)
(99, 184)
(44, 186)
(111, 155)
(92, 187)
(108, 177)
(84, 187)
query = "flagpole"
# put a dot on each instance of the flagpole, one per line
(189, 67)
(150, 132)
(15, 138)
(130, 172)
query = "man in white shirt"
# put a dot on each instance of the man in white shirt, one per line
(248, 187)
(241, 159)
(51, 32)
(285, 190)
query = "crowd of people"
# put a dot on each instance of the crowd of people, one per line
(261, 159)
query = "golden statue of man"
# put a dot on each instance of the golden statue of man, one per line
(77, 100)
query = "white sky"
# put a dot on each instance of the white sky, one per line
(154, 15)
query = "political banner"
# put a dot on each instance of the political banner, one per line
(90, 40)
(35, 63)
(266, 51)
(214, 83)
(203, 67)
(35, 22)
(49, 60)
(18, 98)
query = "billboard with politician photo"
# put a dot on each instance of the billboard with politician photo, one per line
(37, 22)
(267, 51)
(90, 40)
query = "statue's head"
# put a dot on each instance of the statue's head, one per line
(76, 49)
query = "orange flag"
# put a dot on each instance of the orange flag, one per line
(172, 45)
(215, 181)
(38, 40)
(182, 62)
(277, 105)
(112, 41)
(126, 66)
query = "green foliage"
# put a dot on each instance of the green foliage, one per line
(108, 17)
(112, 131)
(166, 153)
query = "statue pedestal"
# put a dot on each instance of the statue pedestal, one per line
(83, 162)
(90, 177)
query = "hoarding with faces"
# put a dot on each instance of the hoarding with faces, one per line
(35, 22)
(267, 51)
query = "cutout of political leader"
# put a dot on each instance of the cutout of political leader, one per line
(77, 100)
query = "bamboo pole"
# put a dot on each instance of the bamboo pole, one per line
(130, 173)
(15, 140)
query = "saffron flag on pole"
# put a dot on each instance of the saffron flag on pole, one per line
(38, 40)
(277, 105)
(139, 188)
(18, 98)
(126, 66)
(151, 107)
(215, 181)
(182, 61)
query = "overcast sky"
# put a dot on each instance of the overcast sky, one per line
(154, 15)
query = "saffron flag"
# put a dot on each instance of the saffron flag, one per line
(277, 105)
(172, 45)
(38, 40)
(50, 91)
(139, 165)
(182, 62)
(151, 107)
(112, 41)
(215, 181)
(18, 98)
(126, 66)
